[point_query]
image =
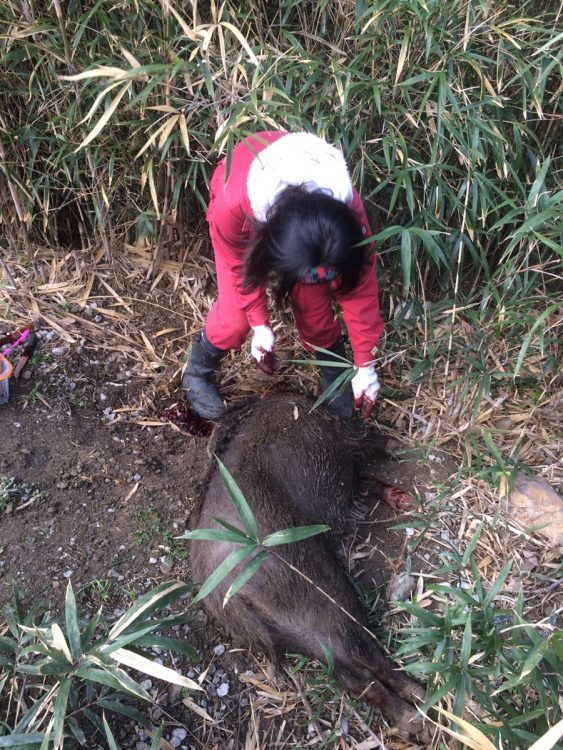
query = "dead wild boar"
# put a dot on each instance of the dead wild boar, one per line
(298, 467)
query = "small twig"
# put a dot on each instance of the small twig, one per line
(9, 275)
(322, 592)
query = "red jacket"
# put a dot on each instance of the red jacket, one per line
(231, 217)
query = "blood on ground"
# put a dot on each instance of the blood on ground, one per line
(184, 417)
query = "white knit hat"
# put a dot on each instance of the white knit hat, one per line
(297, 159)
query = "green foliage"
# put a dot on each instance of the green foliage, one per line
(150, 526)
(340, 383)
(447, 111)
(17, 493)
(480, 652)
(250, 543)
(58, 680)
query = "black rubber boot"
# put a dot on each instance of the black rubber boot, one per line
(198, 380)
(340, 404)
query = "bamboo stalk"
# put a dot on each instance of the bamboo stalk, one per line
(91, 165)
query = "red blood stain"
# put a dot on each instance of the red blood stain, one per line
(269, 362)
(186, 419)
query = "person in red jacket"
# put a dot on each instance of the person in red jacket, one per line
(286, 213)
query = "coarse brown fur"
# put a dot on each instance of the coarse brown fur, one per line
(296, 467)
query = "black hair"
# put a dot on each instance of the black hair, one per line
(305, 229)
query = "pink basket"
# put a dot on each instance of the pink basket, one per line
(5, 372)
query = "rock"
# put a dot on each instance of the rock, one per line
(166, 565)
(223, 689)
(146, 684)
(219, 650)
(535, 503)
(180, 732)
(174, 693)
(400, 587)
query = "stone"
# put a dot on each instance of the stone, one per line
(166, 565)
(533, 503)
(223, 689)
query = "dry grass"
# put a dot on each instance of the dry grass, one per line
(148, 323)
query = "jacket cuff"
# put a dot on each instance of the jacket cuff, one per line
(258, 317)
(363, 358)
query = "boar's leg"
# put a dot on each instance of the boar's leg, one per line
(393, 496)
(369, 688)
(388, 672)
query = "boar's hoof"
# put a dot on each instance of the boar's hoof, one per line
(411, 724)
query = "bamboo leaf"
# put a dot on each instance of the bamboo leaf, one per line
(403, 54)
(98, 100)
(497, 584)
(528, 340)
(114, 678)
(337, 386)
(71, 620)
(142, 664)
(470, 735)
(156, 740)
(131, 59)
(104, 71)
(58, 641)
(197, 709)
(466, 643)
(188, 31)
(184, 133)
(245, 575)
(174, 645)
(157, 598)
(550, 738)
(535, 656)
(104, 119)
(152, 188)
(406, 259)
(22, 740)
(216, 535)
(132, 636)
(230, 562)
(295, 534)
(112, 744)
(242, 507)
(60, 712)
(167, 129)
(233, 29)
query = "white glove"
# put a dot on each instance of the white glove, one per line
(365, 386)
(262, 342)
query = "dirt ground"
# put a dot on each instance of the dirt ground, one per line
(114, 486)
